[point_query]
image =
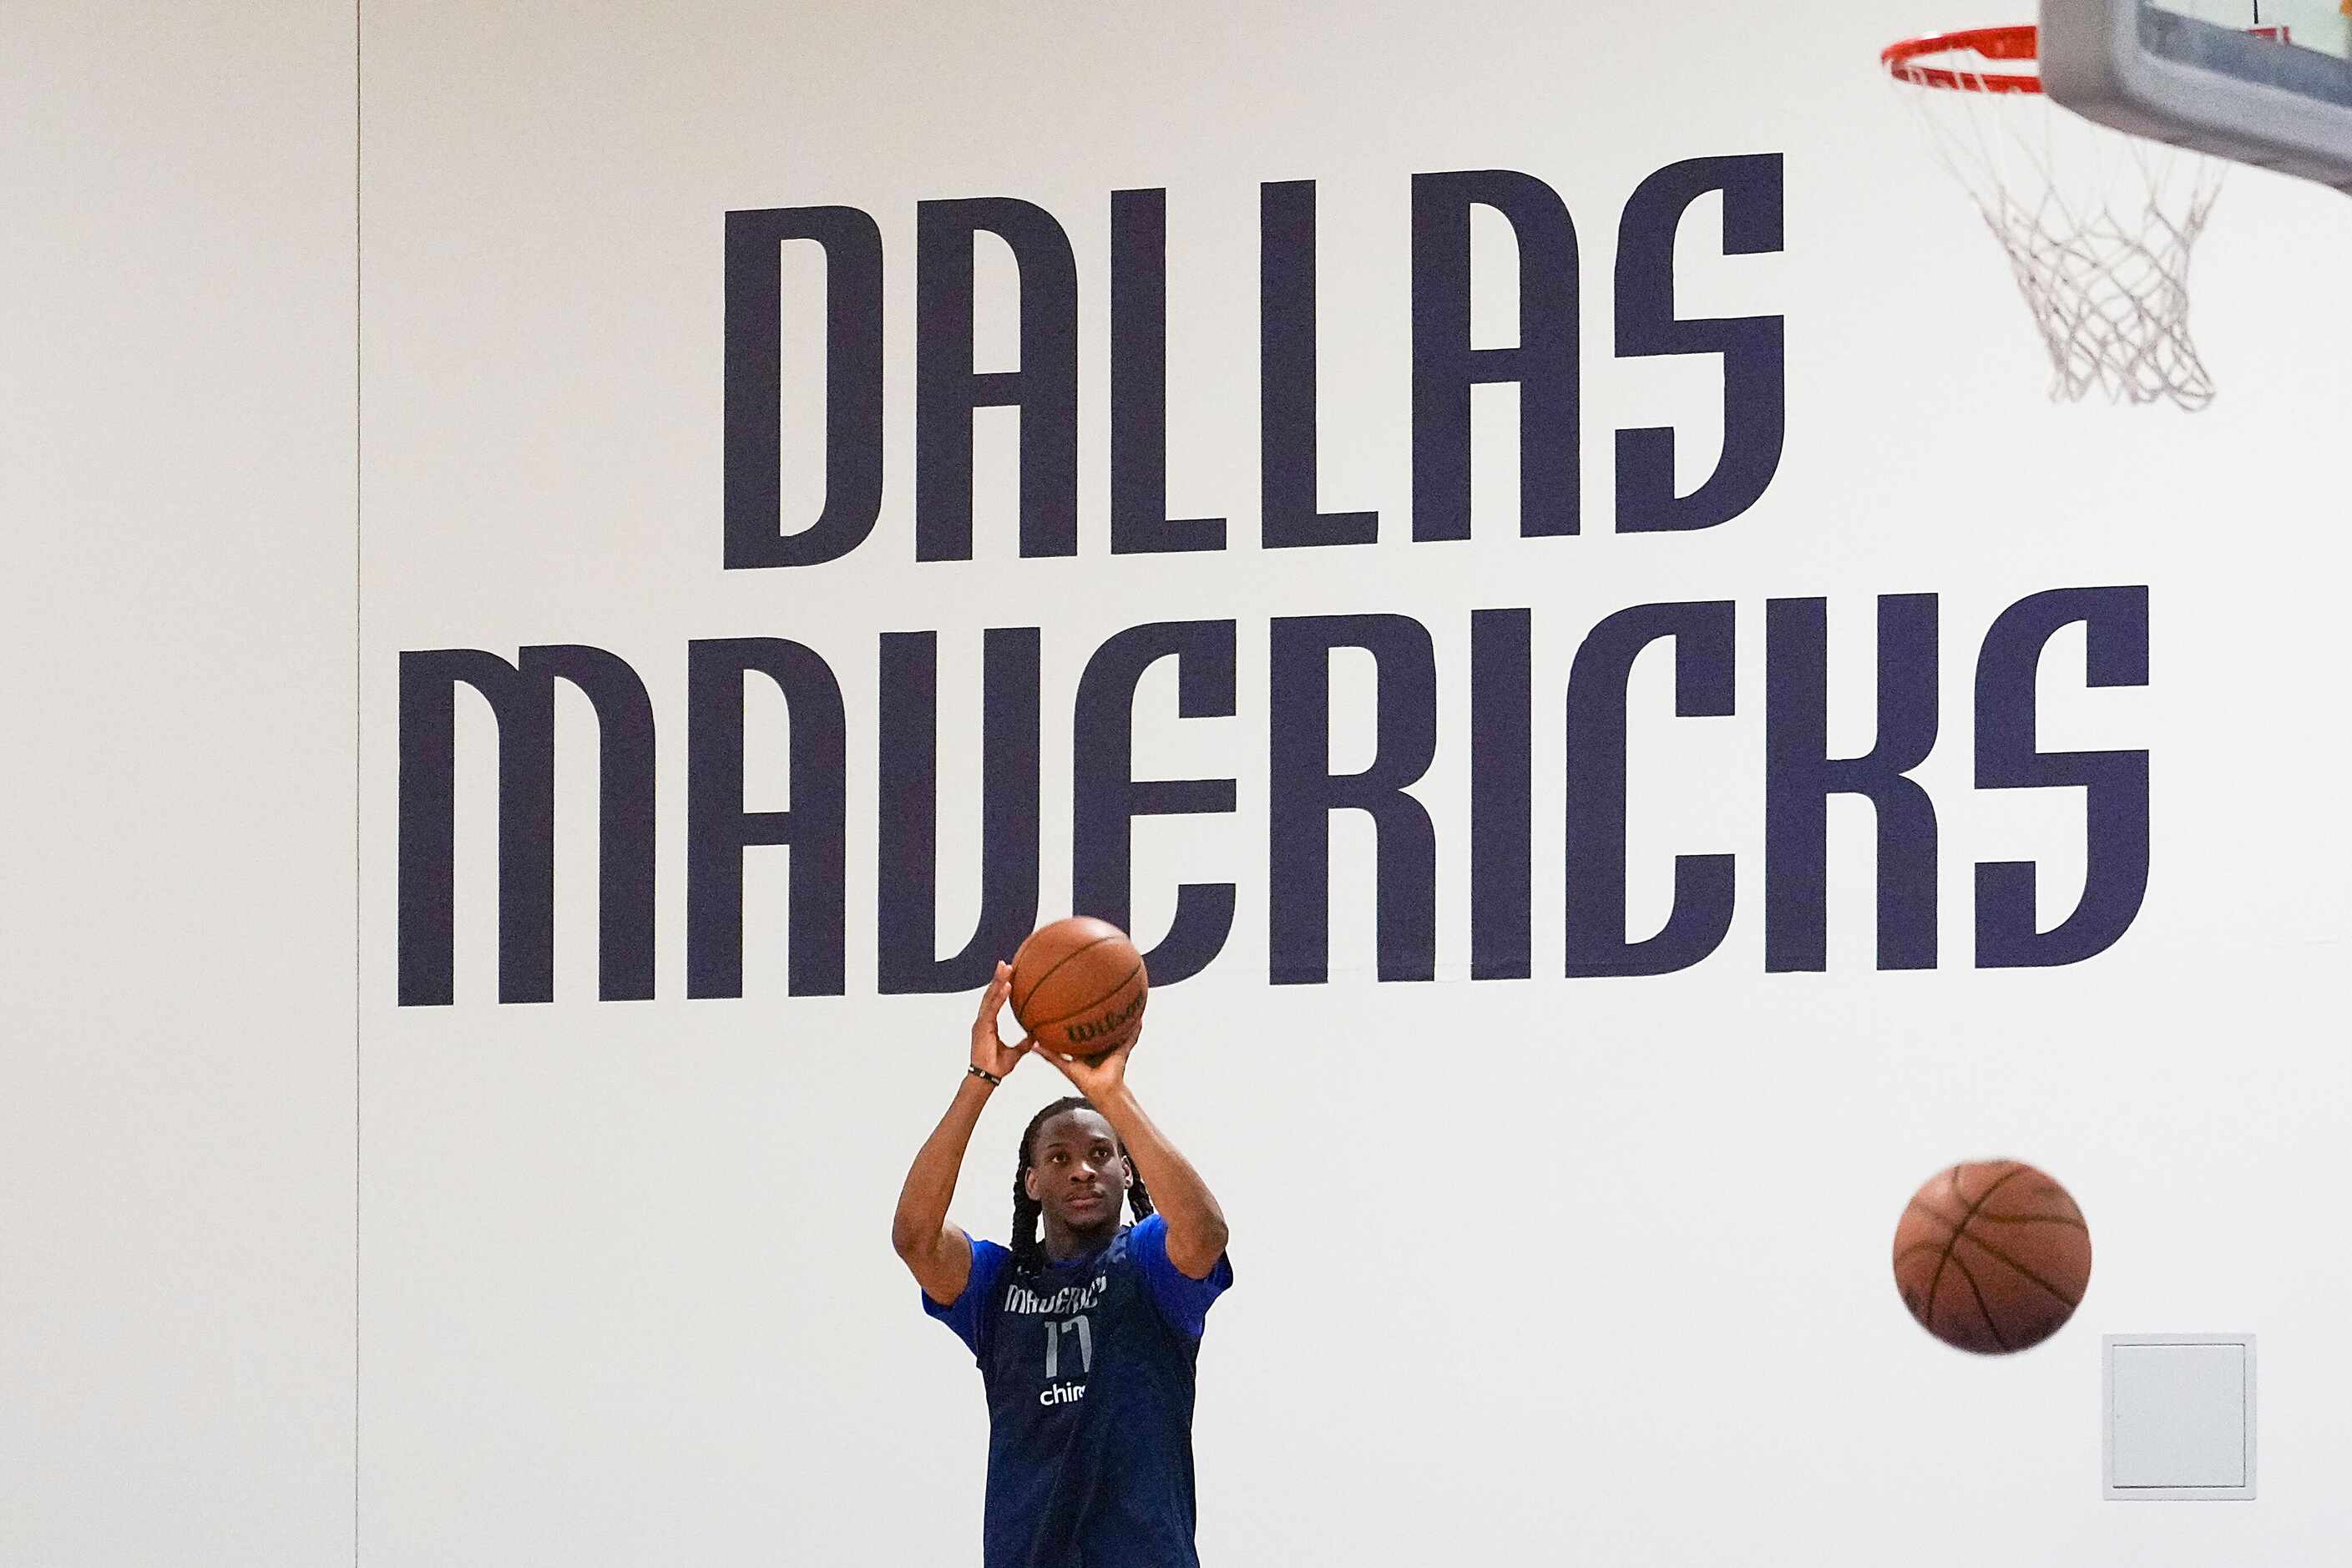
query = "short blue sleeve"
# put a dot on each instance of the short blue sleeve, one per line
(1183, 1301)
(969, 1311)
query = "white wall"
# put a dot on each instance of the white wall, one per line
(1590, 1270)
(176, 1286)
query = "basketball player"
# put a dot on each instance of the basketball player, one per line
(1086, 1337)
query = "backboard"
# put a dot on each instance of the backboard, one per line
(2190, 72)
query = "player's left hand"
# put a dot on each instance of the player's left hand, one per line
(1097, 1076)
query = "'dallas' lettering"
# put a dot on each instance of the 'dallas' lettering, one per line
(1068, 1298)
(1738, 196)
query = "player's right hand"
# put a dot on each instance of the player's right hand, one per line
(989, 1052)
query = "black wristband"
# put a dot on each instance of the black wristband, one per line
(976, 1070)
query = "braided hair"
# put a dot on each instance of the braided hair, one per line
(1028, 1251)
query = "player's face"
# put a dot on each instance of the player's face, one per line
(1078, 1175)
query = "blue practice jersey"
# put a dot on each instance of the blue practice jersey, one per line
(1089, 1370)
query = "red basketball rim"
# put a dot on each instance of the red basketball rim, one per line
(2017, 42)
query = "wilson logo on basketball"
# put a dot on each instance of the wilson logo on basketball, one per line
(1109, 1024)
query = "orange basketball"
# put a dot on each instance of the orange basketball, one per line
(1078, 986)
(1992, 1256)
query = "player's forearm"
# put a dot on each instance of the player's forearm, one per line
(930, 1182)
(1196, 1226)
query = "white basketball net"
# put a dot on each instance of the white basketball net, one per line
(2097, 225)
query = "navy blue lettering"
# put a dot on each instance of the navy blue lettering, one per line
(947, 389)
(2114, 785)
(907, 875)
(1502, 774)
(1139, 387)
(1303, 792)
(718, 830)
(522, 695)
(1286, 378)
(1445, 367)
(1106, 797)
(1799, 777)
(752, 501)
(1755, 390)
(1704, 667)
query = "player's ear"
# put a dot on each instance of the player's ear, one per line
(1029, 1183)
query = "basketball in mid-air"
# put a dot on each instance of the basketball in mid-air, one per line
(1078, 986)
(1992, 1256)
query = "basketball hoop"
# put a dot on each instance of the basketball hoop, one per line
(2097, 225)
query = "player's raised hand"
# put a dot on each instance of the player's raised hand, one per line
(1097, 1076)
(989, 1054)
